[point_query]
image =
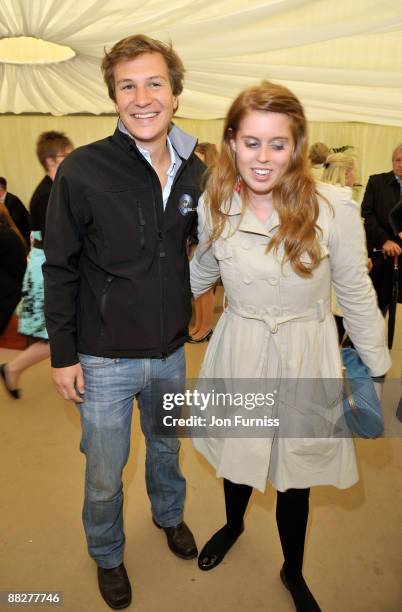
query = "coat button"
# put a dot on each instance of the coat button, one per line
(247, 280)
(273, 281)
(245, 244)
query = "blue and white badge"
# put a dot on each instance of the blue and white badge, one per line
(186, 204)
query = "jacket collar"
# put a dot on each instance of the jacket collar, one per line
(391, 178)
(249, 222)
(183, 143)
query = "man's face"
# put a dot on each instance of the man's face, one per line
(397, 163)
(144, 98)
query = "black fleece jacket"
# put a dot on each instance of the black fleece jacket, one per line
(116, 272)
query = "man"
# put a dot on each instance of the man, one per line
(17, 210)
(383, 192)
(118, 296)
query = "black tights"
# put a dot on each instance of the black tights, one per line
(292, 508)
(291, 517)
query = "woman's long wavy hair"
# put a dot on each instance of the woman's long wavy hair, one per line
(294, 195)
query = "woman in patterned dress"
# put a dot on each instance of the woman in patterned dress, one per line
(52, 147)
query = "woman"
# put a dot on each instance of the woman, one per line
(277, 245)
(201, 330)
(340, 170)
(13, 261)
(52, 147)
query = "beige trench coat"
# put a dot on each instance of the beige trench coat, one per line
(279, 325)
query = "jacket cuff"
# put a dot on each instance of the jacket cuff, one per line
(63, 351)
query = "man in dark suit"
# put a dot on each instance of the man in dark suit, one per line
(17, 210)
(383, 192)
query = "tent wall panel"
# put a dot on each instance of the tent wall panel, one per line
(18, 163)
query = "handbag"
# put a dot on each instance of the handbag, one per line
(361, 406)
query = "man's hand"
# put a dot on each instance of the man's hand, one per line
(69, 382)
(391, 248)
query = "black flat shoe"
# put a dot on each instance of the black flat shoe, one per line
(115, 587)
(204, 338)
(15, 393)
(216, 548)
(180, 540)
(302, 596)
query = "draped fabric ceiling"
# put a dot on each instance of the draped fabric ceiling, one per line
(343, 58)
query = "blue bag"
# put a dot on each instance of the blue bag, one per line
(361, 406)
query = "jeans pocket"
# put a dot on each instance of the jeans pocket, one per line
(92, 361)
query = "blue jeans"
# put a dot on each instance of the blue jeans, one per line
(110, 388)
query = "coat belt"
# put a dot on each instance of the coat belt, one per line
(317, 313)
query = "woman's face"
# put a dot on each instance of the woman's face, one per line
(263, 145)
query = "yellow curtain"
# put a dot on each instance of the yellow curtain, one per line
(18, 163)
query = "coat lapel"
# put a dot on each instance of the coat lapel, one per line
(249, 223)
(252, 225)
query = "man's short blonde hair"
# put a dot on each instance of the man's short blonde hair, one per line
(133, 46)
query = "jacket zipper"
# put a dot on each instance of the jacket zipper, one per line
(103, 303)
(162, 293)
(161, 250)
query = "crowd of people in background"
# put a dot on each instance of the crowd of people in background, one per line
(384, 242)
(51, 149)
(381, 212)
(13, 252)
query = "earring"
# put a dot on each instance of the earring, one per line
(238, 184)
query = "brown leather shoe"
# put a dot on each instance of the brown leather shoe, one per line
(114, 586)
(180, 540)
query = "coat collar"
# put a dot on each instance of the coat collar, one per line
(249, 222)
(391, 178)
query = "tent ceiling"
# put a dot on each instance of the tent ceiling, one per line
(343, 58)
